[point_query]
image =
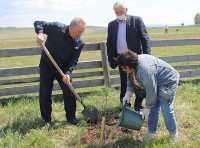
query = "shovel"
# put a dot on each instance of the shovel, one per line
(90, 113)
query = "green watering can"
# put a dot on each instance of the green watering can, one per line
(130, 119)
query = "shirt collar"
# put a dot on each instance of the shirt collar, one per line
(66, 31)
(121, 21)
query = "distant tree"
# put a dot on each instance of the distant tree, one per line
(182, 24)
(166, 29)
(197, 19)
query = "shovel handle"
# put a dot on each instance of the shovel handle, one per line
(61, 73)
(52, 60)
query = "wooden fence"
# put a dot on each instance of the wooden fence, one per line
(99, 76)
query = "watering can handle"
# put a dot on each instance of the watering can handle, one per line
(127, 104)
(138, 112)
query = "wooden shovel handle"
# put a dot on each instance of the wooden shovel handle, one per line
(61, 73)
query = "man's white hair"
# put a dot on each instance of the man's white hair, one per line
(119, 4)
(77, 21)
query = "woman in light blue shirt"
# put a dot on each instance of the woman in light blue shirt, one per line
(158, 81)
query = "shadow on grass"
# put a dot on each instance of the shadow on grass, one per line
(22, 126)
(24, 122)
(129, 142)
(125, 142)
(111, 112)
(15, 99)
(56, 98)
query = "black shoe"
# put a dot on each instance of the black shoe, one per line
(47, 120)
(48, 123)
(73, 121)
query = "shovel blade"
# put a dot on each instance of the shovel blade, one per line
(91, 114)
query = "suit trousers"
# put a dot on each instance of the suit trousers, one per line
(123, 81)
(47, 76)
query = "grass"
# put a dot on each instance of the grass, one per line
(25, 37)
(21, 125)
(34, 60)
(183, 33)
(94, 55)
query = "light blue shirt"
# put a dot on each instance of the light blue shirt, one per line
(158, 78)
(121, 38)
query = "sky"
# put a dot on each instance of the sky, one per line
(22, 13)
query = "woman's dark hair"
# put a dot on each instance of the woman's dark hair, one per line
(130, 59)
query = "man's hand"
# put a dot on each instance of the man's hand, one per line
(127, 97)
(126, 100)
(66, 79)
(40, 39)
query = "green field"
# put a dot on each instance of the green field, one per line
(22, 127)
(25, 37)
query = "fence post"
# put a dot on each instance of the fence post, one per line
(105, 64)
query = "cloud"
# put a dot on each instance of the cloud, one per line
(166, 15)
(24, 12)
(95, 12)
(52, 5)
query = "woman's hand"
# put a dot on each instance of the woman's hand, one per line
(127, 97)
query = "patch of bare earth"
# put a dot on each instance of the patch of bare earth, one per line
(112, 133)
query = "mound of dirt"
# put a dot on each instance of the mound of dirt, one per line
(112, 133)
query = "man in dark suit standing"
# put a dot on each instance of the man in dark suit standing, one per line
(126, 32)
(65, 45)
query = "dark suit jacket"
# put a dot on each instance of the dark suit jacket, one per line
(136, 36)
(63, 48)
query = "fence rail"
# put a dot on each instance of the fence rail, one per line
(37, 51)
(34, 70)
(100, 75)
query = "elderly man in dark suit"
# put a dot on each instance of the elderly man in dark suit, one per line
(126, 32)
(64, 44)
